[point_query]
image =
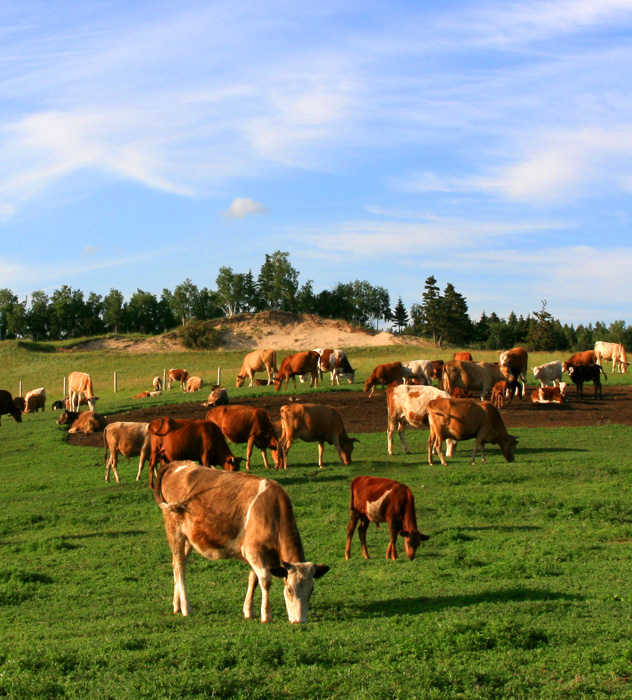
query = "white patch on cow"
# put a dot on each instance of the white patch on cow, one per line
(263, 485)
(373, 508)
(184, 466)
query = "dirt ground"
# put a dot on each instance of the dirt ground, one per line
(364, 415)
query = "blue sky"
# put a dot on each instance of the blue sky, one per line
(486, 143)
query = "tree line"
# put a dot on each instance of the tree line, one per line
(440, 316)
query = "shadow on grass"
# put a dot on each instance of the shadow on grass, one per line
(494, 528)
(107, 535)
(307, 478)
(417, 606)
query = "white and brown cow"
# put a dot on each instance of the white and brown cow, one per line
(421, 370)
(612, 351)
(235, 516)
(80, 385)
(336, 362)
(34, 400)
(129, 439)
(549, 373)
(315, 423)
(378, 500)
(550, 394)
(178, 375)
(386, 374)
(257, 361)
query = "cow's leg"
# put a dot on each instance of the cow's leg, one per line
(351, 526)
(113, 462)
(363, 527)
(249, 446)
(401, 432)
(264, 577)
(285, 448)
(264, 454)
(321, 449)
(391, 551)
(180, 549)
(338, 448)
(478, 443)
(248, 601)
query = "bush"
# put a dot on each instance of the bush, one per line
(199, 335)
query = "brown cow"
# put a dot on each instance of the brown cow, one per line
(217, 397)
(130, 440)
(143, 395)
(295, 365)
(437, 370)
(34, 400)
(257, 361)
(19, 403)
(193, 384)
(472, 376)
(583, 358)
(315, 423)
(80, 385)
(466, 419)
(549, 394)
(8, 406)
(385, 374)
(178, 375)
(379, 500)
(235, 516)
(87, 422)
(248, 424)
(463, 356)
(184, 438)
(517, 358)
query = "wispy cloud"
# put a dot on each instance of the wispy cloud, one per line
(243, 207)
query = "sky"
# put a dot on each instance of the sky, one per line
(488, 144)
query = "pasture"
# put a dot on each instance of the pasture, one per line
(522, 590)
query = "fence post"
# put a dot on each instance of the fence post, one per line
(115, 381)
(219, 376)
(164, 379)
(65, 394)
(20, 391)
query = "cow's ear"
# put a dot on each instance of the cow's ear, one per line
(320, 570)
(160, 426)
(354, 440)
(278, 571)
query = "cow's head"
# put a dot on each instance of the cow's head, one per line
(412, 540)
(232, 463)
(162, 426)
(368, 384)
(508, 447)
(67, 418)
(346, 447)
(239, 381)
(299, 584)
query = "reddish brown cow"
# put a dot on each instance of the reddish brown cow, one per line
(379, 500)
(184, 438)
(295, 365)
(178, 375)
(8, 406)
(437, 370)
(516, 359)
(466, 419)
(248, 424)
(584, 358)
(463, 356)
(87, 422)
(235, 516)
(385, 374)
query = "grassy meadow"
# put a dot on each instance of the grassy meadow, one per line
(523, 590)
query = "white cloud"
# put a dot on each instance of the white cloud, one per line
(243, 207)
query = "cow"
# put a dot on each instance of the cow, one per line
(157, 383)
(612, 351)
(466, 419)
(58, 405)
(586, 373)
(549, 394)
(257, 361)
(193, 384)
(19, 403)
(385, 374)
(129, 439)
(518, 358)
(186, 438)
(459, 393)
(34, 400)
(80, 385)
(549, 373)
(83, 401)
(8, 406)
(315, 423)
(421, 370)
(463, 356)
(437, 370)
(235, 516)
(143, 395)
(583, 358)
(337, 364)
(247, 424)
(217, 397)
(498, 393)
(177, 375)
(378, 500)
(473, 376)
(86, 422)
(295, 365)
(407, 407)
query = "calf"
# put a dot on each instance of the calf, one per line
(385, 374)
(247, 424)
(130, 440)
(459, 393)
(586, 373)
(466, 419)
(217, 397)
(315, 423)
(58, 405)
(157, 383)
(19, 403)
(34, 400)
(549, 394)
(8, 406)
(194, 384)
(379, 500)
(549, 373)
(86, 422)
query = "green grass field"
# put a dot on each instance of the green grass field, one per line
(523, 590)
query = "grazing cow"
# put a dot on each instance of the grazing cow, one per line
(385, 374)
(518, 358)
(217, 397)
(58, 405)
(583, 358)
(157, 383)
(463, 356)
(235, 516)
(319, 423)
(257, 361)
(178, 375)
(612, 351)
(130, 440)
(437, 370)
(549, 394)
(83, 401)
(193, 384)
(87, 422)
(407, 407)
(336, 362)
(8, 406)
(466, 419)
(184, 438)
(498, 393)
(295, 365)
(34, 400)
(421, 370)
(19, 403)
(472, 376)
(586, 373)
(549, 373)
(459, 393)
(378, 500)
(80, 385)
(247, 424)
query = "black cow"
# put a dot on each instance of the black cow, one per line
(8, 406)
(586, 373)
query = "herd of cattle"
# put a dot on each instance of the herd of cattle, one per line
(227, 514)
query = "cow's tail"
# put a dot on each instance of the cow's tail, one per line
(604, 374)
(177, 508)
(105, 444)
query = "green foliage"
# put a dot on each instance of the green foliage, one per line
(199, 335)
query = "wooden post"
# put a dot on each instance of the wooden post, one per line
(219, 376)
(115, 381)
(20, 391)
(164, 380)
(65, 394)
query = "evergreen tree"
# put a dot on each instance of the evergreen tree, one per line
(400, 315)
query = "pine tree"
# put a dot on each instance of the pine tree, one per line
(400, 315)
